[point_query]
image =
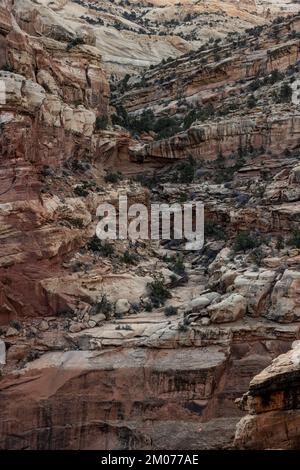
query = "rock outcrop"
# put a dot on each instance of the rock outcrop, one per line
(147, 386)
(135, 36)
(143, 344)
(272, 404)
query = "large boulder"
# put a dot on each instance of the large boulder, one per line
(230, 309)
(255, 287)
(285, 298)
(122, 306)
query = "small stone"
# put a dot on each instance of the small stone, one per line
(43, 326)
(100, 317)
(213, 296)
(18, 351)
(92, 323)
(86, 317)
(122, 306)
(197, 304)
(11, 331)
(205, 321)
(75, 327)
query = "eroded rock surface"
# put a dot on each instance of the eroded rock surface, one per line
(272, 404)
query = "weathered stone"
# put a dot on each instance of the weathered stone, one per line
(98, 318)
(229, 309)
(122, 306)
(43, 326)
(285, 300)
(273, 406)
(11, 332)
(75, 327)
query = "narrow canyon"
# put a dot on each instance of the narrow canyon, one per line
(145, 344)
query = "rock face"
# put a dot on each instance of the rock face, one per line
(230, 309)
(213, 85)
(133, 37)
(272, 404)
(207, 140)
(53, 96)
(149, 393)
(143, 344)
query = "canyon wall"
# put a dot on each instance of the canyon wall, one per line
(272, 404)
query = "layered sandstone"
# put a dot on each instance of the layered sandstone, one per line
(93, 353)
(272, 404)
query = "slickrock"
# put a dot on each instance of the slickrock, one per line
(272, 404)
(135, 388)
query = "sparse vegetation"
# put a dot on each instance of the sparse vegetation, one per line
(16, 324)
(171, 311)
(214, 230)
(244, 241)
(104, 306)
(113, 177)
(99, 246)
(101, 123)
(295, 239)
(158, 292)
(129, 257)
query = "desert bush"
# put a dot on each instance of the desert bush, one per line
(244, 241)
(129, 258)
(295, 239)
(101, 123)
(98, 246)
(171, 311)
(113, 177)
(158, 292)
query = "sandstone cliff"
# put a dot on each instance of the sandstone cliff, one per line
(272, 404)
(141, 344)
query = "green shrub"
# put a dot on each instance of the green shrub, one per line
(295, 240)
(244, 241)
(177, 265)
(103, 306)
(171, 311)
(16, 324)
(285, 93)
(113, 177)
(212, 229)
(81, 191)
(98, 246)
(129, 257)
(185, 172)
(148, 307)
(158, 292)
(101, 123)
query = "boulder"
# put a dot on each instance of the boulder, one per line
(98, 318)
(230, 309)
(256, 287)
(122, 306)
(285, 298)
(43, 326)
(75, 327)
